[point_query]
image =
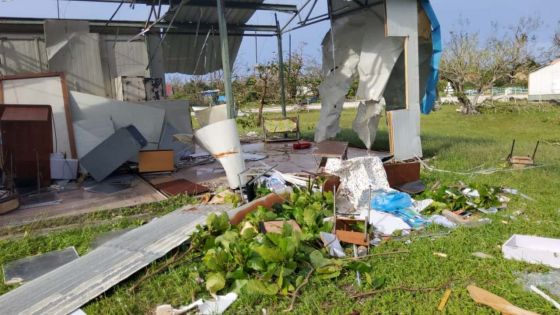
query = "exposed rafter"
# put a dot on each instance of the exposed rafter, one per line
(231, 4)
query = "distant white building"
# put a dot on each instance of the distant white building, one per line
(544, 83)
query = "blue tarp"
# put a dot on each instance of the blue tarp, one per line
(431, 87)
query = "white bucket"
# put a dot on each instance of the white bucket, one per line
(222, 141)
(211, 115)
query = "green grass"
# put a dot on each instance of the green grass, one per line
(451, 141)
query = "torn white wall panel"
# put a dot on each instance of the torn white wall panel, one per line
(360, 48)
(148, 120)
(404, 134)
(40, 91)
(22, 53)
(74, 51)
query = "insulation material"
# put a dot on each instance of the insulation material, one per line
(40, 91)
(357, 175)
(366, 121)
(222, 141)
(371, 55)
(147, 119)
(73, 50)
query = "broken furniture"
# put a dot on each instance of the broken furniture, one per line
(113, 152)
(281, 129)
(347, 230)
(404, 176)
(521, 161)
(330, 149)
(29, 268)
(181, 186)
(39, 89)
(27, 143)
(156, 161)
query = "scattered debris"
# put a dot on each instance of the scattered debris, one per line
(498, 303)
(181, 186)
(521, 161)
(333, 244)
(482, 255)
(533, 249)
(221, 303)
(29, 268)
(444, 299)
(443, 255)
(156, 161)
(545, 296)
(548, 280)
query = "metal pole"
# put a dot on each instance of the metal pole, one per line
(281, 68)
(225, 57)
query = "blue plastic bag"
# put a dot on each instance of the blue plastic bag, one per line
(391, 201)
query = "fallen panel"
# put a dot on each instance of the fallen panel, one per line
(112, 153)
(147, 119)
(181, 186)
(90, 133)
(168, 142)
(29, 268)
(69, 287)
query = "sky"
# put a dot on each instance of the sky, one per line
(452, 15)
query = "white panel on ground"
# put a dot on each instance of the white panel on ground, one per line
(148, 120)
(73, 50)
(402, 20)
(42, 91)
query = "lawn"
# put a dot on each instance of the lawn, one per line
(451, 142)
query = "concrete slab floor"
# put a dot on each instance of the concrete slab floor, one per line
(211, 175)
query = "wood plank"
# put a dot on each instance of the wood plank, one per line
(67, 288)
(156, 161)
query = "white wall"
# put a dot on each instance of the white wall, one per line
(544, 84)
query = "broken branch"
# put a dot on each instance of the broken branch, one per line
(399, 288)
(295, 294)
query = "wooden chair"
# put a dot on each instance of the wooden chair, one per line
(281, 129)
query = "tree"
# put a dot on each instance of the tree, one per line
(468, 63)
(266, 75)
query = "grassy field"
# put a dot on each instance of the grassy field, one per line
(452, 142)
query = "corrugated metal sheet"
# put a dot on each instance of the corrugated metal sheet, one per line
(22, 53)
(69, 287)
(75, 51)
(188, 53)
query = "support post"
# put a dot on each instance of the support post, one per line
(281, 68)
(225, 58)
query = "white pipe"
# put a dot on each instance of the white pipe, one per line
(545, 296)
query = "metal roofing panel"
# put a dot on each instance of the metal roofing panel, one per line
(22, 53)
(193, 54)
(65, 289)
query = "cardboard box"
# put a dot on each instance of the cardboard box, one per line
(533, 249)
(155, 161)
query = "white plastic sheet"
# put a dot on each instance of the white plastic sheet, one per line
(222, 141)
